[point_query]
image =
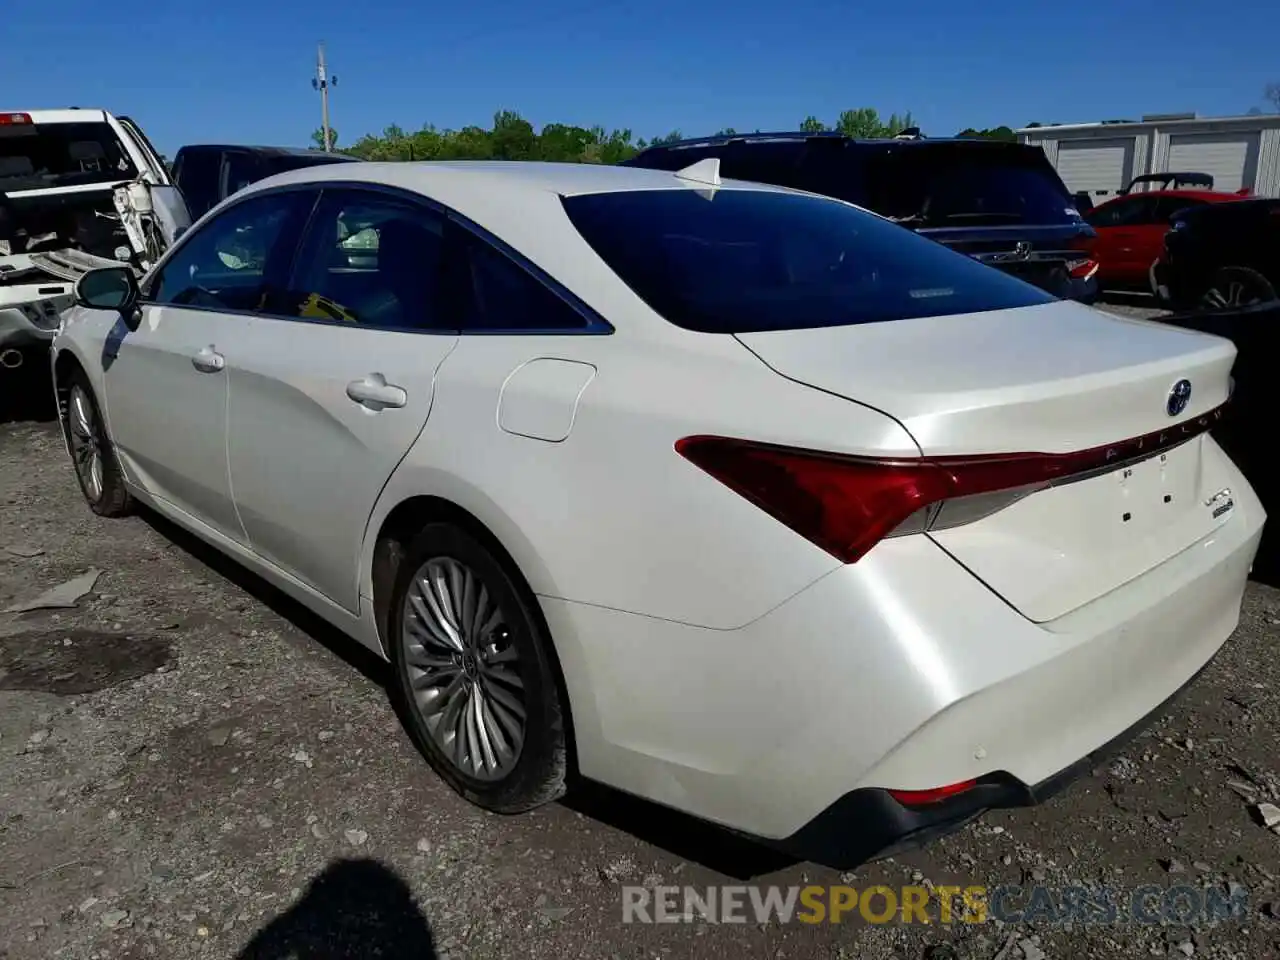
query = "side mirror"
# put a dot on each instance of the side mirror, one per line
(110, 288)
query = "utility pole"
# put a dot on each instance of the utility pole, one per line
(322, 82)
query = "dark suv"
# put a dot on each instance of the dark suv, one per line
(208, 173)
(1223, 255)
(999, 202)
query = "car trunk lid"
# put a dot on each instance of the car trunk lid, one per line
(1052, 379)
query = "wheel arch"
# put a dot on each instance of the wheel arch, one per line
(66, 365)
(400, 523)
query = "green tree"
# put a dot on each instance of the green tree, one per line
(1271, 94)
(512, 137)
(317, 138)
(990, 133)
(865, 123)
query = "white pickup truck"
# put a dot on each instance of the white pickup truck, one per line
(78, 189)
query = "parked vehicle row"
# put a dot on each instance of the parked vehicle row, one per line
(1001, 203)
(83, 188)
(740, 499)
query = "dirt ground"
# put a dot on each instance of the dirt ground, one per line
(193, 767)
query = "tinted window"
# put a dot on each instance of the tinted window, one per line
(966, 185)
(233, 262)
(1129, 212)
(196, 174)
(762, 162)
(369, 259)
(273, 164)
(1167, 207)
(742, 260)
(61, 155)
(663, 158)
(239, 169)
(503, 296)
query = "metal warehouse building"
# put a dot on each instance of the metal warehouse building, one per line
(1102, 158)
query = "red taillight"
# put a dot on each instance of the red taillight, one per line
(1086, 266)
(1082, 269)
(922, 798)
(13, 119)
(846, 504)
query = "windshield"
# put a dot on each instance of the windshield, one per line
(61, 155)
(733, 261)
(935, 187)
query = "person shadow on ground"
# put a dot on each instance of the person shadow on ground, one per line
(353, 909)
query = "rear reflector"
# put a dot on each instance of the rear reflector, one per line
(922, 798)
(846, 504)
(1082, 269)
(13, 119)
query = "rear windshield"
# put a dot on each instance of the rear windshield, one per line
(948, 186)
(734, 261)
(61, 155)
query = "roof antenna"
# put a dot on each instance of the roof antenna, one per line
(704, 171)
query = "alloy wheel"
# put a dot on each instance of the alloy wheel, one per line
(1234, 293)
(86, 448)
(463, 670)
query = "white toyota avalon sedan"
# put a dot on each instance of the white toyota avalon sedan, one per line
(740, 499)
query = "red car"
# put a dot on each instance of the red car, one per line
(1131, 231)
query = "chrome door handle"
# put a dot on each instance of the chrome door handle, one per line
(373, 391)
(209, 360)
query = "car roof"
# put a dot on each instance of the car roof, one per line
(272, 151)
(454, 177)
(521, 203)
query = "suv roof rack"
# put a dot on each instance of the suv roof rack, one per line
(783, 136)
(724, 138)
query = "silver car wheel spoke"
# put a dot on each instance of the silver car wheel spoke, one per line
(85, 451)
(464, 672)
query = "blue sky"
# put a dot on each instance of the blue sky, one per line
(240, 71)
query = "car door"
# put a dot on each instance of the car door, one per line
(166, 381)
(328, 392)
(1119, 250)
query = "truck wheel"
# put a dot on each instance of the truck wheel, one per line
(1237, 287)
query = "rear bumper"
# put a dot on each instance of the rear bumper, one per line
(17, 330)
(900, 672)
(28, 318)
(869, 823)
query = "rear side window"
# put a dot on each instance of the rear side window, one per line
(500, 296)
(734, 261)
(957, 185)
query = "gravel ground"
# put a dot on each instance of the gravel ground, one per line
(191, 766)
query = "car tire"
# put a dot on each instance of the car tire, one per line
(470, 654)
(1236, 287)
(93, 455)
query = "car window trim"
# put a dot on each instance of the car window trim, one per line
(410, 199)
(597, 325)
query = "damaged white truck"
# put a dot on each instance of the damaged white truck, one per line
(79, 189)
